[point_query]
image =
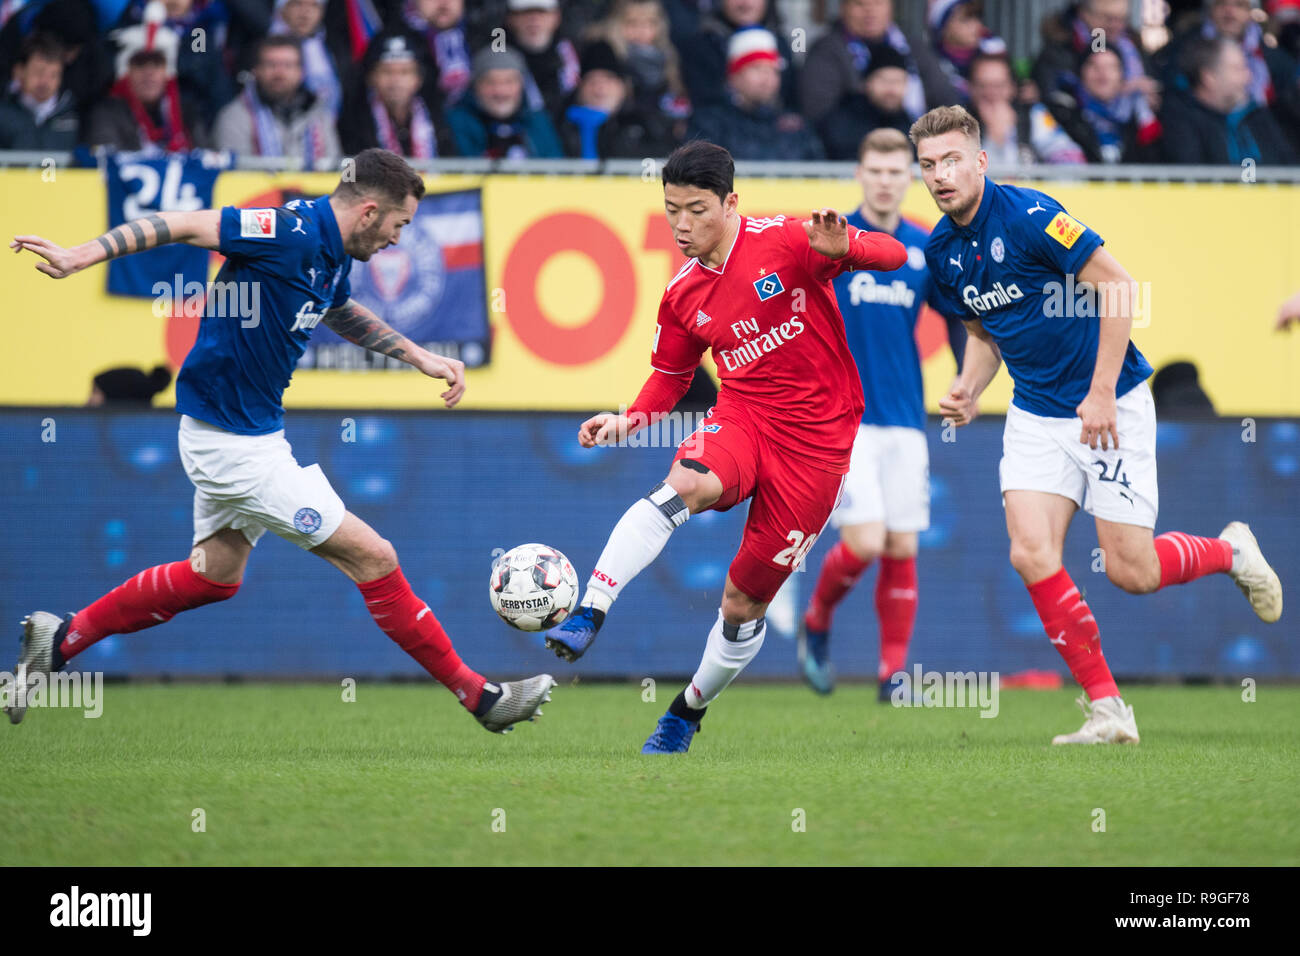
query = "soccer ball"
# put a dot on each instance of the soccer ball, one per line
(533, 587)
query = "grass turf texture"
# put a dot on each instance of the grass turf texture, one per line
(290, 774)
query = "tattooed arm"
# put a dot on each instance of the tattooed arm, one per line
(197, 228)
(354, 322)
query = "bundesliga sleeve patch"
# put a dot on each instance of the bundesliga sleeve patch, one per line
(1065, 230)
(257, 223)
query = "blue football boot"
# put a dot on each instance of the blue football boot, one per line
(571, 638)
(815, 659)
(672, 735)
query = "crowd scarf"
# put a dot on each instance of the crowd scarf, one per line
(914, 98)
(1107, 120)
(956, 63)
(570, 73)
(170, 136)
(363, 23)
(424, 144)
(1251, 43)
(266, 134)
(1131, 57)
(449, 50)
(1236, 124)
(318, 73)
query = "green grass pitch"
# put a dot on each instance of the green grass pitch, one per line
(291, 774)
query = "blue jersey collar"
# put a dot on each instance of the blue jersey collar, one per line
(333, 238)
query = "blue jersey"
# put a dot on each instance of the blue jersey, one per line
(1008, 269)
(284, 268)
(880, 312)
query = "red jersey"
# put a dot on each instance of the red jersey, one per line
(770, 316)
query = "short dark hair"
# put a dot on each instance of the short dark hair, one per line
(380, 174)
(282, 40)
(1200, 55)
(701, 164)
(44, 45)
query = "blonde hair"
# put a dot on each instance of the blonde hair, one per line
(945, 119)
(610, 29)
(884, 140)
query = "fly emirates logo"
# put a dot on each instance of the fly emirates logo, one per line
(755, 344)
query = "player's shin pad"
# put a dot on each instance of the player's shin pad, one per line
(730, 649)
(635, 541)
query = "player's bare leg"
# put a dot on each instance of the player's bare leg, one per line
(736, 637)
(154, 596)
(1036, 523)
(635, 542)
(859, 545)
(1140, 563)
(370, 561)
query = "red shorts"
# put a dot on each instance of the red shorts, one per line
(793, 498)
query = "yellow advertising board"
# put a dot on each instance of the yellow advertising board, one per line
(576, 267)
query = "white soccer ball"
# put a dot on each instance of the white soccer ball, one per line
(533, 587)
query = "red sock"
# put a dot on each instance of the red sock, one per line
(840, 571)
(154, 596)
(896, 608)
(1073, 631)
(1185, 557)
(408, 621)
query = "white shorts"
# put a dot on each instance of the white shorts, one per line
(252, 483)
(888, 480)
(1045, 454)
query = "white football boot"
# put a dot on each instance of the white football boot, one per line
(1109, 721)
(1256, 579)
(42, 632)
(519, 700)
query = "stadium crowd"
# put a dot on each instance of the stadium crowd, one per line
(317, 79)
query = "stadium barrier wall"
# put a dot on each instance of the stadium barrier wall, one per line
(94, 497)
(576, 265)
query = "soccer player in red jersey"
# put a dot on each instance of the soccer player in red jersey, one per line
(758, 293)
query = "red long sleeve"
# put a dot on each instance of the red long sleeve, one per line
(874, 250)
(660, 394)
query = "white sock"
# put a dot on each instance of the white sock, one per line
(731, 647)
(635, 541)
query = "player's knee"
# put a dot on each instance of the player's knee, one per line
(738, 607)
(694, 484)
(380, 558)
(863, 543)
(900, 547)
(1033, 560)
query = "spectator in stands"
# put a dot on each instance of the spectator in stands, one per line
(1099, 116)
(441, 26)
(35, 113)
(1013, 132)
(494, 120)
(958, 34)
(1216, 121)
(128, 387)
(1068, 34)
(704, 52)
(145, 110)
(388, 110)
(880, 104)
(604, 121)
(837, 61)
(275, 114)
(753, 125)
(87, 62)
(201, 72)
(1273, 76)
(638, 32)
(326, 67)
(551, 60)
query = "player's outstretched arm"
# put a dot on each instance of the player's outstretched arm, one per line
(200, 228)
(354, 322)
(980, 363)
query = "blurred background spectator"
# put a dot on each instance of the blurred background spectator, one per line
(1095, 111)
(603, 119)
(127, 387)
(637, 30)
(387, 109)
(1015, 132)
(879, 104)
(326, 65)
(753, 123)
(275, 114)
(34, 112)
(494, 119)
(440, 25)
(704, 52)
(1176, 389)
(201, 68)
(958, 33)
(87, 57)
(145, 110)
(551, 60)
(1215, 120)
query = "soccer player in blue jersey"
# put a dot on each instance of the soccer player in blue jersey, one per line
(292, 263)
(886, 500)
(1081, 428)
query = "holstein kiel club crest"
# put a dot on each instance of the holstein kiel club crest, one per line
(408, 279)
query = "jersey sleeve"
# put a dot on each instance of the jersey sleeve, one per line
(1057, 239)
(675, 350)
(266, 235)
